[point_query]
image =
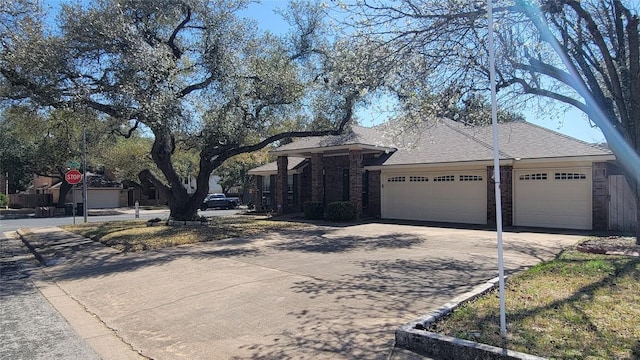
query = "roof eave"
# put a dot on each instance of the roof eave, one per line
(338, 149)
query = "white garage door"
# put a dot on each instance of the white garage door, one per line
(100, 198)
(554, 198)
(459, 197)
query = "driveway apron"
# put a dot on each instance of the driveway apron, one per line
(321, 293)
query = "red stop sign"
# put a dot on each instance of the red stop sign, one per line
(73, 176)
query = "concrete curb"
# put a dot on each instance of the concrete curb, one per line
(103, 339)
(414, 336)
(54, 251)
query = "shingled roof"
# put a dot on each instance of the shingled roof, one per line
(446, 141)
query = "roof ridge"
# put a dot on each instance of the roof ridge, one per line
(464, 133)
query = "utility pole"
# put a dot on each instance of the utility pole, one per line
(84, 175)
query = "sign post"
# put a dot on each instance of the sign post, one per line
(73, 177)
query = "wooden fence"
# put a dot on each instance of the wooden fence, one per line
(30, 200)
(622, 205)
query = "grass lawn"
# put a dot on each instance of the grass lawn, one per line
(130, 236)
(578, 306)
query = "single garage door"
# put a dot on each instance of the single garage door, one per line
(553, 198)
(458, 197)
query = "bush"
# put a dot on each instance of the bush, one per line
(340, 211)
(313, 210)
(4, 200)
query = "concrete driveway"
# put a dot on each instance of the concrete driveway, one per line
(319, 293)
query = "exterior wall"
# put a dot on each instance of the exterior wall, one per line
(317, 178)
(506, 194)
(333, 167)
(304, 187)
(355, 181)
(281, 185)
(373, 207)
(600, 196)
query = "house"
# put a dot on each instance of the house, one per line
(190, 183)
(101, 192)
(443, 172)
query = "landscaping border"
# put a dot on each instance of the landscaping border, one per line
(414, 336)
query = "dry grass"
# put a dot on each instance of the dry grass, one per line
(129, 236)
(579, 306)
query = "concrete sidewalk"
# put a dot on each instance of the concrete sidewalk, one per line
(322, 292)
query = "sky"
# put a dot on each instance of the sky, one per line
(572, 123)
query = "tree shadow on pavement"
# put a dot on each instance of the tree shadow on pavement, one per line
(355, 316)
(324, 242)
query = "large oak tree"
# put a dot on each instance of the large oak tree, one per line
(192, 74)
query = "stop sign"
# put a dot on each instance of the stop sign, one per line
(73, 176)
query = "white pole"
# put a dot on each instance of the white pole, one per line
(6, 188)
(84, 175)
(496, 172)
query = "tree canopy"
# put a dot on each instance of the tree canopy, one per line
(190, 73)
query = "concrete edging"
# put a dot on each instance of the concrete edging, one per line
(414, 336)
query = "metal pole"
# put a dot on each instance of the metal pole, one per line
(496, 173)
(73, 207)
(84, 174)
(6, 188)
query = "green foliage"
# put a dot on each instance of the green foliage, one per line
(313, 210)
(4, 200)
(233, 172)
(16, 158)
(340, 211)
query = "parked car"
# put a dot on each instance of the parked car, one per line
(220, 201)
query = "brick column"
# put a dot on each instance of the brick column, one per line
(599, 196)
(317, 175)
(506, 195)
(355, 180)
(374, 193)
(281, 185)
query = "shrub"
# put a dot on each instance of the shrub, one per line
(313, 210)
(340, 211)
(4, 200)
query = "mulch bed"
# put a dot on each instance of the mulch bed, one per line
(611, 245)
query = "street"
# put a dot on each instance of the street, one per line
(7, 224)
(30, 327)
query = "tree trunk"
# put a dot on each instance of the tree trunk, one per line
(64, 190)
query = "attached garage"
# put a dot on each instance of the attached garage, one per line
(553, 197)
(443, 196)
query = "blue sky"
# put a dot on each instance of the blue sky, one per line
(572, 123)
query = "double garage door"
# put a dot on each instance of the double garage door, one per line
(542, 197)
(553, 198)
(459, 197)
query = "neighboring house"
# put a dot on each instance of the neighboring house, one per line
(190, 184)
(101, 192)
(547, 179)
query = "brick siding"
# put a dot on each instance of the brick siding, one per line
(506, 195)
